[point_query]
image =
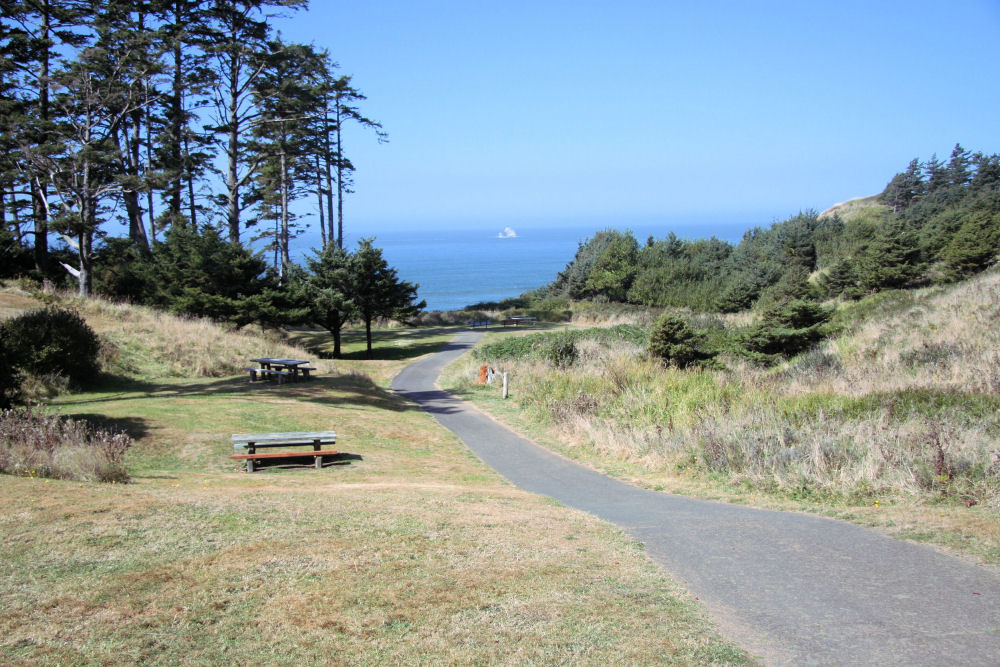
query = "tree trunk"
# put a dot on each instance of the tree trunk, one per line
(17, 217)
(340, 181)
(38, 189)
(319, 197)
(368, 336)
(190, 183)
(149, 163)
(337, 324)
(176, 123)
(285, 258)
(136, 230)
(232, 154)
(328, 168)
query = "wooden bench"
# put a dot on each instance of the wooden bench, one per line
(279, 375)
(520, 320)
(252, 441)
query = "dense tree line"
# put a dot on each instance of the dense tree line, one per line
(936, 222)
(193, 124)
(178, 119)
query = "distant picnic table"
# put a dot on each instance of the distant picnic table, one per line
(279, 369)
(252, 441)
(516, 320)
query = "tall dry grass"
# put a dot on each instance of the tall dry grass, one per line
(904, 404)
(138, 341)
(37, 445)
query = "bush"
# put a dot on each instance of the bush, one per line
(560, 350)
(785, 330)
(47, 446)
(52, 341)
(10, 378)
(674, 341)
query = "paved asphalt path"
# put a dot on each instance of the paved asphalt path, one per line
(790, 588)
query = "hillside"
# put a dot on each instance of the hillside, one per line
(893, 419)
(848, 209)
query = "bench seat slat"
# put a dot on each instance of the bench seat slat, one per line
(285, 455)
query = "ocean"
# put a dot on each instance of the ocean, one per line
(458, 267)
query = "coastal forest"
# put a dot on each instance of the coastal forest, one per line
(935, 222)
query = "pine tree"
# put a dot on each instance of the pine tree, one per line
(286, 94)
(891, 260)
(673, 341)
(236, 41)
(377, 291)
(47, 30)
(81, 160)
(329, 287)
(975, 246)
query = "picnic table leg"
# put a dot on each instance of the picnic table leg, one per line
(251, 449)
(319, 459)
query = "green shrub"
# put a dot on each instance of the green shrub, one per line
(35, 445)
(785, 330)
(674, 341)
(560, 350)
(52, 341)
(974, 247)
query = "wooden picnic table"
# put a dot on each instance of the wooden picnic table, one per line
(517, 319)
(280, 369)
(252, 441)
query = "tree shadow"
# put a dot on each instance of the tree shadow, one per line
(303, 463)
(334, 390)
(134, 427)
(387, 345)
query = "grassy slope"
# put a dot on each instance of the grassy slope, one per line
(409, 550)
(911, 370)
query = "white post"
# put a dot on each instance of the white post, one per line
(505, 385)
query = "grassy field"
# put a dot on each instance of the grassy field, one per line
(892, 423)
(404, 550)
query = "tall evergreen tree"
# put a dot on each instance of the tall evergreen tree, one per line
(235, 40)
(329, 288)
(48, 28)
(377, 290)
(286, 95)
(81, 160)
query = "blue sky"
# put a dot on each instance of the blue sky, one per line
(550, 112)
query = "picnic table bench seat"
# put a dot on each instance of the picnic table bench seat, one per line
(516, 320)
(279, 375)
(252, 441)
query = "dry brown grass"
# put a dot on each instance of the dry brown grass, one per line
(902, 411)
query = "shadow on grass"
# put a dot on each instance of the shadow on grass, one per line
(387, 345)
(337, 390)
(134, 427)
(303, 463)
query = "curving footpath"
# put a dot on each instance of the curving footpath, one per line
(790, 588)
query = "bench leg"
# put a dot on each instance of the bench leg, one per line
(253, 376)
(319, 462)
(249, 465)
